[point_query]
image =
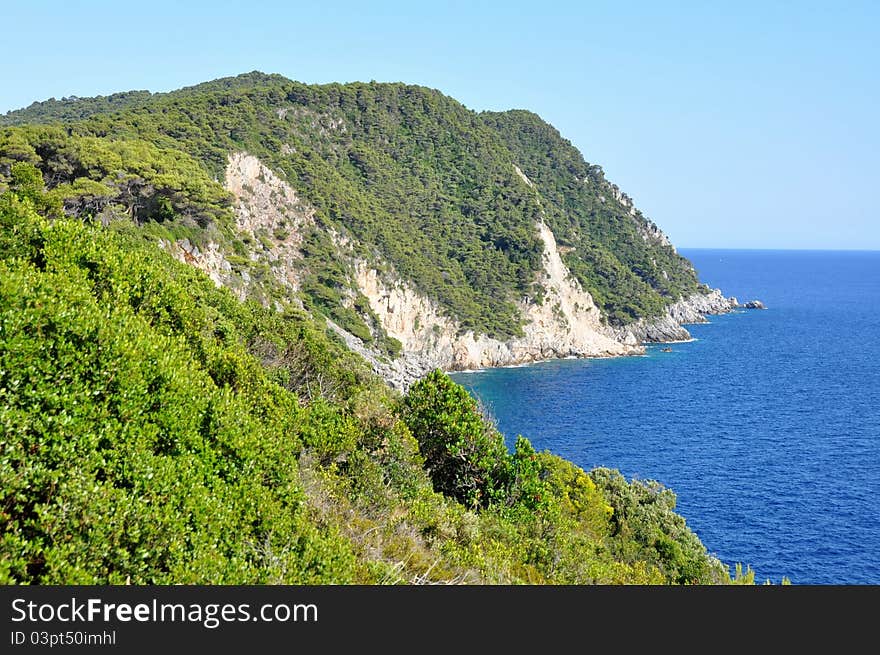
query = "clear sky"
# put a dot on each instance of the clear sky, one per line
(753, 124)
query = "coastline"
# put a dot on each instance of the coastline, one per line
(666, 329)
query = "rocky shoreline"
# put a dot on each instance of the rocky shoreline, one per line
(404, 371)
(693, 309)
(670, 327)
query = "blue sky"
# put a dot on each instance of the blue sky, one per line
(744, 125)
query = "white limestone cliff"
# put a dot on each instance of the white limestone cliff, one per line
(567, 323)
(270, 218)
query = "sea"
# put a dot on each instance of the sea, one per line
(766, 426)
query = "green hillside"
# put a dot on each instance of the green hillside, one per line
(157, 430)
(414, 177)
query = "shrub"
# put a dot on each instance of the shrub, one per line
(646, 527)
(466, 458)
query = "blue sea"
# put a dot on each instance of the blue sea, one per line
(766, 426)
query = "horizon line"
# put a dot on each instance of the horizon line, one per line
(777, 249)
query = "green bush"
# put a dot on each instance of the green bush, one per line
(466, 458)
(137, 446)
(645, 527)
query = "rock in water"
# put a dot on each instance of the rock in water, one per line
(754, 304)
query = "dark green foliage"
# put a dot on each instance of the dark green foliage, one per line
(465, 457)
(420, 182)
(645, 527)
(100, 178)
(73, 108)
(613, 251)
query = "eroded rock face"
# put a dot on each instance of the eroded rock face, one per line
(271, 219)
(567, 323)
(209, 259)
(670, 327)
(270, 215)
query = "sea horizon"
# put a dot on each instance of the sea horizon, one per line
(818, 250)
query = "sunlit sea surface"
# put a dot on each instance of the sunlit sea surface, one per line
(767, 426)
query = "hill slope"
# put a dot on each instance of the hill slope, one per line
(429, 235)
(189, 285)
(159, 430)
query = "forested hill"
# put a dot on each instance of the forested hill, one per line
(157, 430)
(183, 283)
(410, 177)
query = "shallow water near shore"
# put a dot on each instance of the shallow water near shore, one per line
(766, 426)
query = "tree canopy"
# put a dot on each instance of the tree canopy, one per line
(416, 179)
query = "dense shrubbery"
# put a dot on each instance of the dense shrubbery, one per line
(101, 178)
(465, 456)
(139, 445)
(157, 430)
(649, 529)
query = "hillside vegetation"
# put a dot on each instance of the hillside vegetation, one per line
(158, 430)
(416, 180)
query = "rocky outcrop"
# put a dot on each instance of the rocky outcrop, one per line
(670, 326)
(269, 216)
(400, 373)
(566, 323)
(523, 177)
(210, 259)
(753, 304)
(269, 220)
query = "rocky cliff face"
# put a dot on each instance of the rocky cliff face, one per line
(563, 322)
(670, 327)
(269, 221)
(566, 323)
